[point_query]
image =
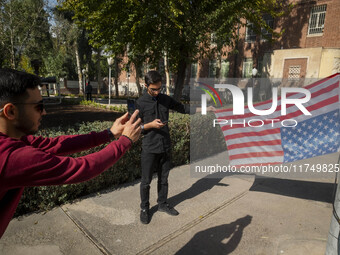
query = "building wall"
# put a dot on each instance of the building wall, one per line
(329, 62)
(296, 43)
(313, 56)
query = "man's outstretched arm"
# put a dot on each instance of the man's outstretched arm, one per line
(68, 144)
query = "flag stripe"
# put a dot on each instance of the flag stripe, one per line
(259, 133)
(254, 143)
(254, 139)
(259, 148)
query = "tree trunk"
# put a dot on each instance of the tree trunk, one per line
(99, 75)
(138, 74)
(80, 76)
(167, 73)
(117, 72)
(218, 66)
(182, 65)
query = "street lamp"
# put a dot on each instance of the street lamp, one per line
(84, 77)
(255, 90)
(110, 62)
(128, 79)
(254, 72)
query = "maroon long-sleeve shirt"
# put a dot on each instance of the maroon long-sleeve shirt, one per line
(38, 161)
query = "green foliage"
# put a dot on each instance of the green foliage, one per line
(25, 64)
(179, 125)
(93, 104)
(24, 30)
(117, 108)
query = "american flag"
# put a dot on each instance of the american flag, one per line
(273, 143)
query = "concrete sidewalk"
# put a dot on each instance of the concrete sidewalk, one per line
(230, 215)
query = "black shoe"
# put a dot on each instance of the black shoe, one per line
(167, 209)
(144, 216)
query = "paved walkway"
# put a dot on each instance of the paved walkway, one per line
(231, 215)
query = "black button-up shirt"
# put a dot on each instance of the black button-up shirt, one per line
(151, 108)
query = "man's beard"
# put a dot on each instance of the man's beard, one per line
(26, 125)
(26, 128)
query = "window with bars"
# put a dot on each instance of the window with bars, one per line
(294, 72)
(317, 19)
(270, 23)
(247, 68)
(250, 33)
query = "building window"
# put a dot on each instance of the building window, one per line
(270, 23)
(250, 33)
(212, 69)
(317, 19)
(193, 73)
(247, 68)
(294, 72)
(224, 69)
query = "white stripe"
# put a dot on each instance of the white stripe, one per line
(254, 139)
(266, 148)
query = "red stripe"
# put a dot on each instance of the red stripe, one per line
(246, 134)
(255, 143)
(313, 107)
(256, 155)
(321, 81)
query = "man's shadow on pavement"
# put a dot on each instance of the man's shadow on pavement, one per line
(222, 239)
(200, 186)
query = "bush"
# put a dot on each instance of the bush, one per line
(205, 139)
(116, 108)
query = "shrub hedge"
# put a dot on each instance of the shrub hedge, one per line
(205, 139)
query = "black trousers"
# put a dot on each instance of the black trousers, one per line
(160, 162)
(89, 96)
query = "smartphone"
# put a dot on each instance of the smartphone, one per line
(165, 121)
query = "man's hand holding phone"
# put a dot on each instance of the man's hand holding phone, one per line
(156, 123)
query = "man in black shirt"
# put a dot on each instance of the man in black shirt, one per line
(154, 108)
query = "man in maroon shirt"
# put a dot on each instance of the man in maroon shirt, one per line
(26, 160)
